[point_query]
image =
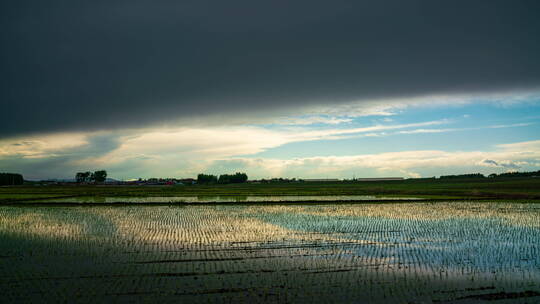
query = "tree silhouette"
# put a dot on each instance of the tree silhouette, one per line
(100, 176)
(11, 179)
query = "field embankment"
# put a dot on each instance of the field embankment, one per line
(434, 189)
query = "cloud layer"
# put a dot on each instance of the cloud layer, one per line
(421, 163)
(78, 65)
(189, 151)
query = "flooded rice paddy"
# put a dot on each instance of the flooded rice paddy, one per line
(347, 253)
(228, 199)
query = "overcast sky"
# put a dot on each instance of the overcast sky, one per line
(292, 88)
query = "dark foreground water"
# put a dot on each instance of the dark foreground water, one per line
(356, 253)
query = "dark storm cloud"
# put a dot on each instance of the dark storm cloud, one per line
(75, 65)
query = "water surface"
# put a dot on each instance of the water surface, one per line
(228, 199)
(348, 253)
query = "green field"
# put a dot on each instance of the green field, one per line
(511, 188)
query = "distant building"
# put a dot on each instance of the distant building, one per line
(188, 181)
(378, 179)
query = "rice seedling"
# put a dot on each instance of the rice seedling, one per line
(377, 253)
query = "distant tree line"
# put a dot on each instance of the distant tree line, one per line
(517, 174)
(493, 175)
(472, 175)
(238, 177)
(233, 178)
(89, 177)
(206, 179)
(11, 179)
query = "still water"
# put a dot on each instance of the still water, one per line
(228, 199)
(349, 253)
